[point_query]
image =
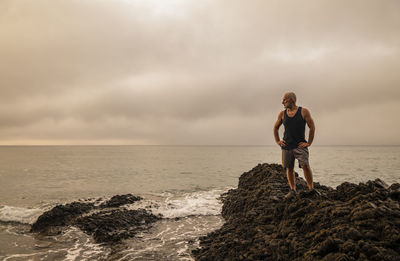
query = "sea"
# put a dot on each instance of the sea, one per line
(183, 183)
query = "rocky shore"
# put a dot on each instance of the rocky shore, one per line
(106, 222)
(351, 222)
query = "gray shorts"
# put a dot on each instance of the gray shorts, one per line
(289, 156)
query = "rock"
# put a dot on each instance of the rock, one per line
(394, 191)
(354, 234)
(59, 216)
(105, 224)
(120, 200)
(115, 225)
(328, 246)
(351, 222)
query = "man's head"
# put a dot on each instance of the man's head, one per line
(289, 100)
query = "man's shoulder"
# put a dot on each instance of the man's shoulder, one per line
(304, 110)
(305, 113)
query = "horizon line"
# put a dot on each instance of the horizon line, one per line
(198, 145)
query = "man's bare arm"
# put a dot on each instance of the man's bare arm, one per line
(311, 125)
(278, 123)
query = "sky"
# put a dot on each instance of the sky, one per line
(189, 72)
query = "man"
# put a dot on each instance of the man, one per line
(294, 146)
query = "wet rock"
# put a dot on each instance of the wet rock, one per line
(351, 222)
(120, 200)
(61, 215)
(115, 225)
(108, 223)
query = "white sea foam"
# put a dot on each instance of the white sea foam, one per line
(25, 256)
(197, 203)
(188, 204)
(19, 215)
(74, 252)
(83, 250)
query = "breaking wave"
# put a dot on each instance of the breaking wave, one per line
(19, 214)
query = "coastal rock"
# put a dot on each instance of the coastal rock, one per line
(351, 222)
(50, 222)
(119, 200)
(108, 223)
(115, 225)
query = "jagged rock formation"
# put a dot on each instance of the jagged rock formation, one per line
(115, 225)
(53, 221)
(119, 200)
(351, 222)
(107, 223)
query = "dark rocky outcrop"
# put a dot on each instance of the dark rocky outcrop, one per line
(52, 221)
(119, 200)
(107, 222)
(115, 225)
(351, 222)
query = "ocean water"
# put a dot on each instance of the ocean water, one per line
(182, 183)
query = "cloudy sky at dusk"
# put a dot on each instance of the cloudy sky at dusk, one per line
(209, 72)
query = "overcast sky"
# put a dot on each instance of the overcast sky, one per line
(197, 72)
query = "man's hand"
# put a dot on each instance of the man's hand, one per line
(281, 143)
(303, 145)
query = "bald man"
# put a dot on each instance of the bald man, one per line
(294, 146)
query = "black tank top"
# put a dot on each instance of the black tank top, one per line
(294, 129)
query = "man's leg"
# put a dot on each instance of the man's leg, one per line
(290, 178)
(301, 154)
(288, 164)
(308, 176)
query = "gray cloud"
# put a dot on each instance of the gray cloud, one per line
(185, 72)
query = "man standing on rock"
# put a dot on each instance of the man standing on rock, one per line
(294, 146)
